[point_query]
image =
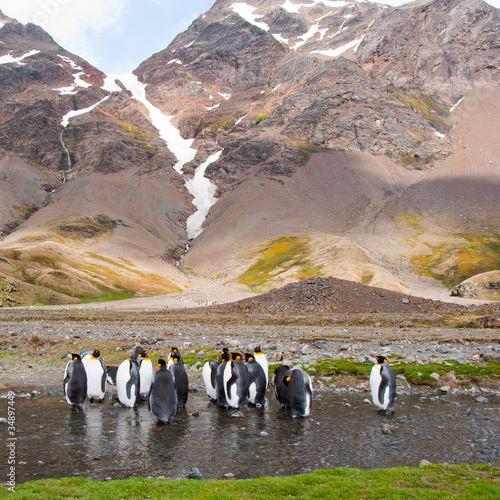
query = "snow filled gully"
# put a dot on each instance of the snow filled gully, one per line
(199, 186)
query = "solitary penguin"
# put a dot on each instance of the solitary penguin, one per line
(260, 357)
(210, 379)
(146, 372)
(75, 381)
(298, 392)
(280, 388)
(162, 402)
(219, 381)
(256, 381)
(383, 385)
(96, 376)
(181, 380)
(128, 380)
(236, 383)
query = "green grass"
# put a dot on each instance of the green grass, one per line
(431, 482)
(413, 372)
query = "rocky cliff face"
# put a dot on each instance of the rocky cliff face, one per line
(357, 141)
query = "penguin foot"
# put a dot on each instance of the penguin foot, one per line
(142, 398)
(382, 412)
(234, 412)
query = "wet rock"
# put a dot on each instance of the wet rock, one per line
(264, 433)
(481, 400)
(445, 388)
(4, 421)
(195, 473)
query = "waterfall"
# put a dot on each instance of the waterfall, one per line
(68, 156)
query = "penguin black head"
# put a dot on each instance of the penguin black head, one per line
(96, 353)
(236, 355)
(161, 362)
(258, 350)
(225, 350)
(175, 357)
(174, 350)
(139, 352)
(76, 357)
(226, 356)
(249, 357)
(286, 380)
(380, 359)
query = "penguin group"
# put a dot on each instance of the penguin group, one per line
(166, 390)
(233, 382)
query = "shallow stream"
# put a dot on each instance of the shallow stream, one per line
(107, 441)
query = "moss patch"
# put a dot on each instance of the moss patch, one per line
(429, 109)
(139, 136)
(478, 254)
(279, 257)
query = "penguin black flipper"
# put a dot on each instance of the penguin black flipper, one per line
(104, 376)
(384, 382)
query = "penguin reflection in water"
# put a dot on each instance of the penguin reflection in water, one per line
(75, 381)
(162, 401)
(383, 385)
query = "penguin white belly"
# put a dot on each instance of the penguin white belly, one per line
(262, 360)
(232, 390)
(95, 373)
(122, 379)
(207, 378)
(252, 393)
(146, 371)
(375, 381)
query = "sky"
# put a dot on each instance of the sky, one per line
(117, 35)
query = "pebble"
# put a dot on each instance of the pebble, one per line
(434, 375)
(4, 421)
(321, 344)
(424, 462)
(264, 433)
(481, 400)
(229, 475)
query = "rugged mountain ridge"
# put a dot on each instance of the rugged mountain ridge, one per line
(355, 141)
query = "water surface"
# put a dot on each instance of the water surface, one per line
(107, 441)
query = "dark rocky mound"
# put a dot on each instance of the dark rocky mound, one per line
(332, 295)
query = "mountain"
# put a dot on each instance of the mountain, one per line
(340, 138)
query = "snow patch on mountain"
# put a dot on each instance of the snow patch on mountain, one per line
(247, 13)
(78, 82)
(199, 186)
(76, 112)
(9, 59)
(339, 50)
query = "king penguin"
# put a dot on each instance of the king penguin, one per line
(96, 376)
(260, 357)
(383, 385)
(128, 380)
(280, 388)
(162, 402)
(256, 381)
(298, 392)
(145, 371)
(236, 383)
(75, 381)
(210, 379)
(180, 378)
(219, 381)
(173, 350)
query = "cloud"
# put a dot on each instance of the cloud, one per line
(76, 25)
